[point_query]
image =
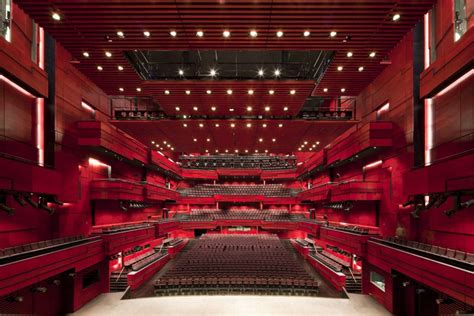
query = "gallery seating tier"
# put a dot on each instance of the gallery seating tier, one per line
(207, 190)
(273, 215)
(212, 162)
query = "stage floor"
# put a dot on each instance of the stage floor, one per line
(111, 304)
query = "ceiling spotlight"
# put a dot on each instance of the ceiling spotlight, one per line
(249, 124)
(306, 33)
(177, 108)
(208, 91)
(271, 92)
(139, 89)
(246, 150)
(285, 108)
(292, 91)
(372, 54)
(227, 150)
(226, 33)
(185, 116)
(325, 89)
(108, 54)
(195, 140)
(199, 33)
(280, 125)
(274, 140)
(253, 33)
(86, 54)
(317, 143)
(231, 109)
(261, 72)
(201, 125)
(343, 90)
(213, 108)
(333, 34)
(121, 89)
(56, 16)
(264, 125)
(120, 68)
(181, 72)
(146, 34)
(279, 34)
(236, 150)
(167, 91)
(277, 72)
(396, 17)
(212, 73)
(195, 108)
(217, 125)
(185, 125)
(249, 108)
(217, 150)
(256, 150)
(120, 34)
(232, 125)
(99, 68)
(361, 68)
(250, 92)
(266, 150)
(260, 139)
(188, 92)
(229, 91)
(173, 33)
(339, 68)
(267, 109)
(349, 54)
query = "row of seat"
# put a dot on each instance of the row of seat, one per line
(250, 162)
(327, 261)
(254, 189)
(458, 255)
(248, 214)
(148, 260)
(335, 258)
(26, 248)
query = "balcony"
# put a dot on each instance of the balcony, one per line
(119, 237)
(116, 189)
(356, 191)
(155, 192)
(314, 164)
(164, 164)
(317, 193)
(347, 238)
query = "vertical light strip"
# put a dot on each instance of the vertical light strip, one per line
(41, 48)
(428, 130)
(426, 21)
(40, 130)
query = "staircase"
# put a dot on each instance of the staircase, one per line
(353, 282)
(118, 281)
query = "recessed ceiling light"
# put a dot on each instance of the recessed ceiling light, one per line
(227, 150)
(299, 149)
(361, 68)
(264, 125)
(266, 150)
(267, 108)
(306, 143)
(185, 125)
(120, 34)
(226, 33)
(173, 33)
(108, 54)
(317, 143)
(229, 91)
(56, 16)
(195, 108)
(169, 145)
(167, 91)
(236, 150)
(279, 34)
(249, 108)
(208, 91)
(201, 125)
(256, 150)
(306, 33)
(231, 109)
(261, 72)
(277, 72)
(185, 116)
(325, 89)
(253, 33)
(146, 34)
(177, 108)
(164, 142)
(339, 68)
(396, 17)
(152, 141)
(274, 140)
(139, 89)
(249, 124)
(349, 54)
(207, 150)
(271, 92)
(333, 33)
(217, 150)
(232, 125)
(246, 150)
(217, 125)
(121, 89)
(250, 91)
(208, 140)
(213, 108)
(86, 54)
(99, 68)
(172, 148)
(199, 33)
(260, 140)
(120, 68)
(212, 72)
(372, 54)
(292, 91)
(188, 92)
(181, 72)
(285, 108)
(195, 140)
(280, 125)
(343, 90)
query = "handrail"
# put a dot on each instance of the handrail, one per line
(120, 274)
(350, 270)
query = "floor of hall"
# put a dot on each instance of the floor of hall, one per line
(111, 304)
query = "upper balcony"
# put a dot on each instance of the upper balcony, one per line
(116, 189)
(356, 190)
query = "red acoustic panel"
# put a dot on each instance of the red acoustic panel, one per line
(137, 278)
(204, 96)
(316, 160)
(108, 137)
(356, 191)
(278, 174)
(119, 241)
(352, 242)
(116, 189)
(317, 193)
(157, 193)
(199, 174)
(235, 136)
(337, 279)
(160, 160)
(239, 172)
(447, 175)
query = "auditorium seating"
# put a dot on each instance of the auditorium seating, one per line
(327, 261)
(254, 189)
(33, 249)
(236, 264)
(273, 215)
(210, 162)
(447, 255)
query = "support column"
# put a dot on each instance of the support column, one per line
(418, 104)
(50, 101)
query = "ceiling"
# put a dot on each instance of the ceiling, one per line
(109, 30)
